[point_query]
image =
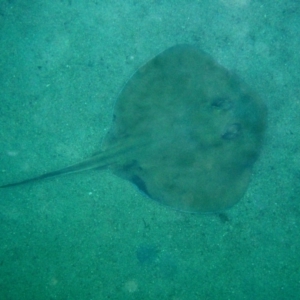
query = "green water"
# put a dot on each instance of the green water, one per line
(93, 236)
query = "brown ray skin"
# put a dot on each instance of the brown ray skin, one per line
(185, 131)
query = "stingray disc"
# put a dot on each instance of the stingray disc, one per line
(188, 131)
(185, 131)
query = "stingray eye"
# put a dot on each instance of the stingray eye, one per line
(232, 131)
(222, 103)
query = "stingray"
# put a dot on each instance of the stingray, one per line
(185, 131)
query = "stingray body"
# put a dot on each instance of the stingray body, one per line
(185, 131)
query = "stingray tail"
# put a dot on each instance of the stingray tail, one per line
(95, 162)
